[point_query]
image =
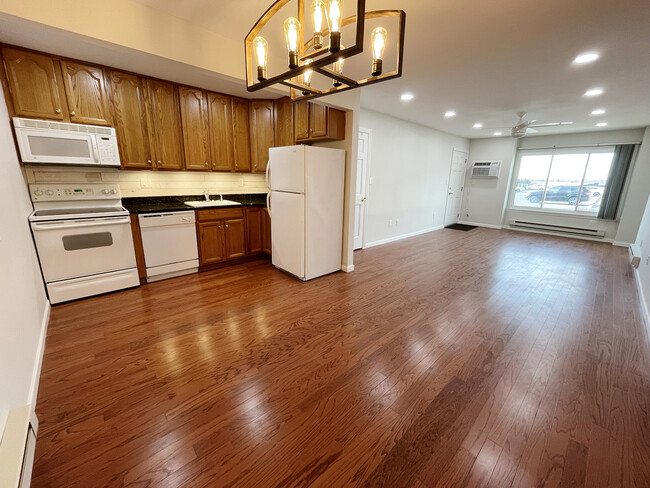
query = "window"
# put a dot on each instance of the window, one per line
(562, 180)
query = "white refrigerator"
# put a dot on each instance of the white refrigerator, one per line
(305, 203)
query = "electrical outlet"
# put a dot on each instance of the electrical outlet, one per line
(145, 181)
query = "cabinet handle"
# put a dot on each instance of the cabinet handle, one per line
(206, 163)
(255, 166)
(226, 226)
(73, 113)
(220, 227)
(159, 163)
(58, 110)
(148, 161)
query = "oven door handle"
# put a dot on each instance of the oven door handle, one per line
(80, 225)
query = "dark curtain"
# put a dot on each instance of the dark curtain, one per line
(615, 181)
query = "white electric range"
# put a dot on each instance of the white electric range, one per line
(83, 239)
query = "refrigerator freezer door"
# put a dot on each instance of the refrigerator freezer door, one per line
(287, 169)
(288, 232)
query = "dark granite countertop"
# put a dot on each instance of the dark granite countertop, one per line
(137, 205)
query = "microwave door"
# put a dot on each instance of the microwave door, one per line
(43, 146)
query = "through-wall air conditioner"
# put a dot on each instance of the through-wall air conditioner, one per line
(486, 169)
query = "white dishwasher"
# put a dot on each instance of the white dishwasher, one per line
(169, 243)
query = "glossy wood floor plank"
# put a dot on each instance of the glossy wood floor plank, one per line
(482, 358)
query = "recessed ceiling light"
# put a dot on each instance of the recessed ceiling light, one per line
(450, 113)
(586, 58)
(598, 111)
(594, 92)
(601, 124)
(478, 125)
(498, 133)
(407, 96)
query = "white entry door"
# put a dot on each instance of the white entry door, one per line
(455, 186)
(360, 193)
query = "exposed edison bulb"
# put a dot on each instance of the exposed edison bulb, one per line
(338, 68)
(306, 77)
(319, 14)
(335, 20)
(261, 48)
(378, 43)
(292, 34)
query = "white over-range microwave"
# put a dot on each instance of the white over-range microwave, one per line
(46, 142)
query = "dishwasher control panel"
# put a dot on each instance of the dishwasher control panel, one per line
(162, 219)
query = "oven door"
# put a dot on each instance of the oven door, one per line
(84, 247)
(50, 146)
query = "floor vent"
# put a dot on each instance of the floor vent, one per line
(558, 229)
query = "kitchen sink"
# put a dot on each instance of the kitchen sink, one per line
(210, 203)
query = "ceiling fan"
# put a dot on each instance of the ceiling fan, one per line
(524, 127)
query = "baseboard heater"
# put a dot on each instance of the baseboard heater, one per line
(17, 446)
(558, 229)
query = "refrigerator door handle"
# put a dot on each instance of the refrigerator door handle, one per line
(268, 170)
(268, 204)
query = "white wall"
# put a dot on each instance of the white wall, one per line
(23, 302)
(637, 194)
(642, 248)
(409, 165)
(484, 198)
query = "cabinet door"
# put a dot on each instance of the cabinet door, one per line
(196, 131)
(221, 141)
(254, 229)
(235, 238)
(165, 123)
(283, 113)
(34, 84)
(241, 138)
(317, 120)
(266, 232)
(301, 120)
(85, 90)
(211, 242)
(262, 133)
(130, 119)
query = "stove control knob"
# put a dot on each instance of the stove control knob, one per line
(105, 191)
(49, 192)
(113, 191)
(38, 193)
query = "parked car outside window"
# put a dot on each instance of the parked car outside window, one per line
(568, 194)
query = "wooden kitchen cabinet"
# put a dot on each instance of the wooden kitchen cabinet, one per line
(211, 242)
(221, 131)
(235, 238)
(283, 122)
(254, 235)
(196, 128)
(262, 133)
(128, 94)
(138, 248)
(35, 85)
(241, 135)
(85, 89)
(165, 125)
(314, 122)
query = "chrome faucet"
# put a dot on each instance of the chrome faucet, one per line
(206, 195)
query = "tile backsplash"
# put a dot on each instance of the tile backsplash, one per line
(151, 183)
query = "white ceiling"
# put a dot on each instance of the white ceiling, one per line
(489, 59)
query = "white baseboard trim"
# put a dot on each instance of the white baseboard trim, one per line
(558, 234)
(644, 305)
(36, 373)
(347, 268)
(477, 224)
(403, 236)
(621, 244)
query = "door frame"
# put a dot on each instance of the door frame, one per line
(366, 186)
(451, 169)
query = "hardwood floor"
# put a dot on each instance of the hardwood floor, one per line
(482, 358)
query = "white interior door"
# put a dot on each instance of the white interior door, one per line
(455, 186)
(360, 193)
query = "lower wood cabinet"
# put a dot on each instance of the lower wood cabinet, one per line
(254, 229)
(211, 242)
(221, 235)
(235, 238)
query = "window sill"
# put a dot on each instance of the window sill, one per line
(579, 215)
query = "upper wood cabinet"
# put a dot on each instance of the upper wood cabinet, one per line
(165, 125)
(128, 98)
(314, 122)
(35, 85)
(283, 120)
(221, 132)
(241, 137)
(262, 133)
(196, 128)
(85, 90)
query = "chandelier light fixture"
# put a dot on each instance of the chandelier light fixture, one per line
(323, 48)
